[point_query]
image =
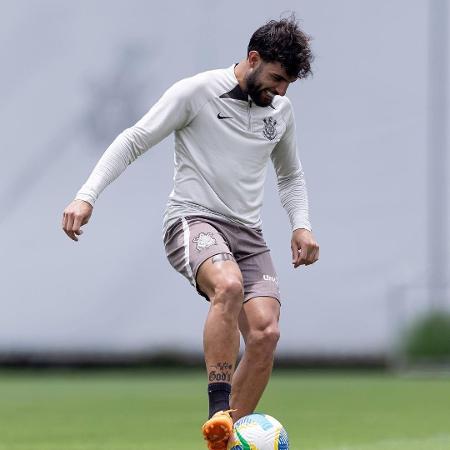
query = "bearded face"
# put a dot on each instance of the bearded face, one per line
(261, 93)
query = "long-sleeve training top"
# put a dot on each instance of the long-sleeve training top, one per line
(222, 144)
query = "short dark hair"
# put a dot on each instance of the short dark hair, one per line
(284, 42)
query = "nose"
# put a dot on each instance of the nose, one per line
(282, 88)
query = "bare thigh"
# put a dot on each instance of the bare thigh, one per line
(215, 274)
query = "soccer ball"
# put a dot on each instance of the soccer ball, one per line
(258, 432)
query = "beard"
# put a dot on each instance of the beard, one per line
(260, 95)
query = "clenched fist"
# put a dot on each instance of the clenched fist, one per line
(75, 216)
(305, 249)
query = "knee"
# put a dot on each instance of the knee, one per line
(228, 294)
(263, 341)
(229, 288)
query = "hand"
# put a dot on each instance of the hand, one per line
(75, 216)
(305, 250)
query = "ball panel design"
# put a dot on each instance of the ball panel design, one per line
(283, 440)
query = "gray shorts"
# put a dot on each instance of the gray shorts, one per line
(191, 240)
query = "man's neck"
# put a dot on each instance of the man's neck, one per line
(240, 70)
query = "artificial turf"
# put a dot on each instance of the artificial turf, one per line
(158, 410)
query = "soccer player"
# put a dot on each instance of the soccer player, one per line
(227, 124)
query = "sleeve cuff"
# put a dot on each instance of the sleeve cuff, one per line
(85, 197)
(301, 224)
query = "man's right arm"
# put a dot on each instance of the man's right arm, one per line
(173, 111)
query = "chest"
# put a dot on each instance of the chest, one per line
(237, 122)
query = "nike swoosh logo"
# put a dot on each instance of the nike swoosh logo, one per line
(219, 116)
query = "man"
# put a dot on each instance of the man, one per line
(227, 125)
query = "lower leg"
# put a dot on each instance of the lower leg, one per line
(221, 346)
(249, 382)
(258, 323)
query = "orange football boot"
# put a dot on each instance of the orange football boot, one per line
(218, 430)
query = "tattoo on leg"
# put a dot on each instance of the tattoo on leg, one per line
(222, 257)
(222, 371)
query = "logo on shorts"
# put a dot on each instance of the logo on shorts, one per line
(204, 240)
(270, 278)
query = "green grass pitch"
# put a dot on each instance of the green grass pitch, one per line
(156, 410)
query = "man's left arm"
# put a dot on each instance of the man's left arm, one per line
(294, 196)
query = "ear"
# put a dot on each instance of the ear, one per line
(253, 58)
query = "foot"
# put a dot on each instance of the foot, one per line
(217, 430)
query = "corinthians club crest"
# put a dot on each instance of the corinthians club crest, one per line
(270, 131)
(204, 240)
